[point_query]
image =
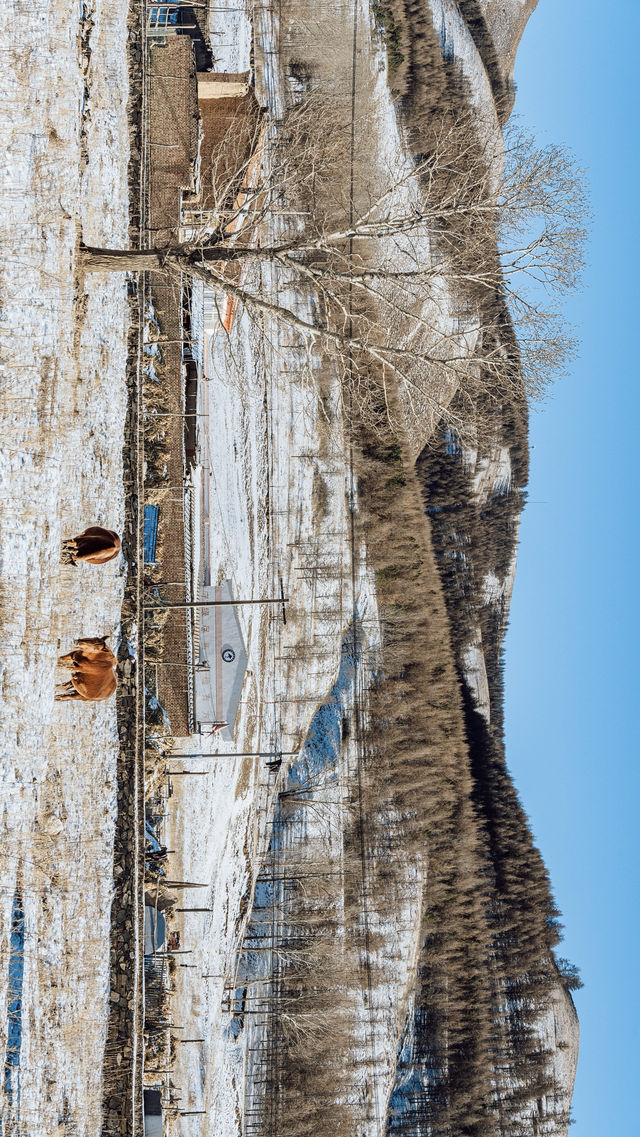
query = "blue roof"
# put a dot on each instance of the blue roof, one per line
(150, 532)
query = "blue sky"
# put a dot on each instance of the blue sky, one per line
(573, 646)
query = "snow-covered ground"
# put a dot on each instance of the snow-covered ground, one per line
(279, 496)
(264, 457)
(275, 435)
(270, 441)
(63, 131)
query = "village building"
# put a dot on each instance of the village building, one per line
(204, 140)
(155, 930)
(153, 1120)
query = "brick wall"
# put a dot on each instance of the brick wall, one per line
(173, 131)
(230, 126)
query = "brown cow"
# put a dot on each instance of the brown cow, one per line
(92, 671)
(95, 546)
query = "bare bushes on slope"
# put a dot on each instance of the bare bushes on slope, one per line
(299, 940)
(413, 841)
(413, 47)
(474, 492)
(501, 84)
(488, 918)
(475, 538)
(508, 222)
(426, 80)
(418, 786)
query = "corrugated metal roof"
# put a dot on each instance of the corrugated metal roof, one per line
(151, 513)
(222, 662)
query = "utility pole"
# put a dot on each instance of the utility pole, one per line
(236, 754)
(281, 599)
(187, 773)
(216, 603)
(184, 884)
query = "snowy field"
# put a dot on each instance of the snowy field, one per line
(263, 524)
(63, 131)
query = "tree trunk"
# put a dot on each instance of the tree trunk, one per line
(179, 258)
(121, 260)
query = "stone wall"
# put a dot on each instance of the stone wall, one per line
(173, 132)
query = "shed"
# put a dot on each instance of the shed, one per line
(155, 930)
(222, 662)
(230, 121)
(150, 533)
(153, 1123)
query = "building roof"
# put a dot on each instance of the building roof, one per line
(222, 662)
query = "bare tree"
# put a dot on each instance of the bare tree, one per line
(417, 272)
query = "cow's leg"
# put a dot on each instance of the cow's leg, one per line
(67, 691)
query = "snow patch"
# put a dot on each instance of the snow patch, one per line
(475, 674)
(65, 135)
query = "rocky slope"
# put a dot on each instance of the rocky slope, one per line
(505, 21)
